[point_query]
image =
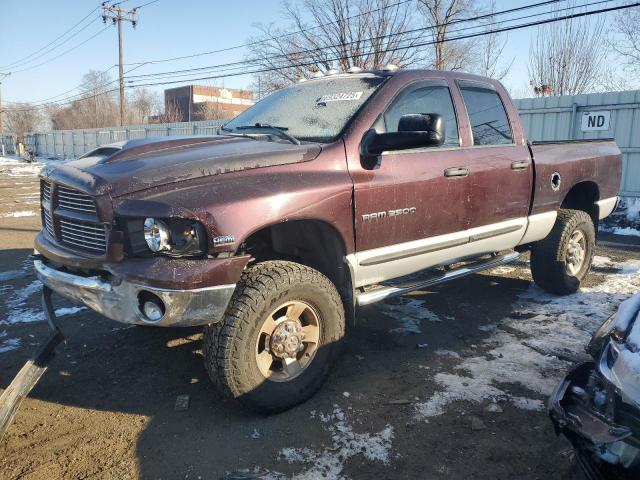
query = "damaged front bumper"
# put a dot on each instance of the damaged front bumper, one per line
(123, 300)
(586, 408)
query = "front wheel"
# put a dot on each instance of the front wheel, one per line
(279, 337)
(560, 262)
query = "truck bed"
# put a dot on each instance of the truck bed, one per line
(591, 165)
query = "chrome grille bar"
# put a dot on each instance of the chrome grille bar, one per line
(75, 200)
(84, 236)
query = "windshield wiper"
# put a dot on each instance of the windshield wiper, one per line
(279, 130)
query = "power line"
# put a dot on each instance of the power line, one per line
(22, 60)
(258, 61)
(462, 37)
(244, 45)
(63, 53)
(319, 49)
(144, 4)
(450, 39)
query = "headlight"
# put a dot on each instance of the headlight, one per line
(175, 237)
(157, 235)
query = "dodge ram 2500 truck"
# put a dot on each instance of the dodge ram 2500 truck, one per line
(327, 195)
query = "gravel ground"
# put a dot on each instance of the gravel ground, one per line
(445, 383)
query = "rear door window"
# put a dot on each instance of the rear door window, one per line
(487, 115)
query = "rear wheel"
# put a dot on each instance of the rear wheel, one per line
(279, 337)
(560, 262)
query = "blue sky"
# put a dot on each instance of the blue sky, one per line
(166, 28)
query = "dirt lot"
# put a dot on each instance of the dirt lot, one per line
(468, 403)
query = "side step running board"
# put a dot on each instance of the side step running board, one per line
(383, 292)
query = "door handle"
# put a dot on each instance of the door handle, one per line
(456, 172)
(520, 165)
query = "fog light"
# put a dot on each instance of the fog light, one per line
(152, 307)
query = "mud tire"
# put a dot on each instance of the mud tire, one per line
(548, 256)
(229, 346)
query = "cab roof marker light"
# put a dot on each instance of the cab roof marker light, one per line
(390, 67)
(354, 70)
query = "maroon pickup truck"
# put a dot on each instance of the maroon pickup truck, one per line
(327, 195)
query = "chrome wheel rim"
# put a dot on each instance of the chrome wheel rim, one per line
(287, 341)
(576, 252)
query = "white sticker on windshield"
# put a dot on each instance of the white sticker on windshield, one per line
(339, 97)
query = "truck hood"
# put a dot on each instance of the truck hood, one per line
(124, 168)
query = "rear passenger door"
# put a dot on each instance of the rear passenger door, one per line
(500, 167)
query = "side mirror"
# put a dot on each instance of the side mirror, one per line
(414, 131)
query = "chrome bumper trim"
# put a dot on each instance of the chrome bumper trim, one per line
(119, 301)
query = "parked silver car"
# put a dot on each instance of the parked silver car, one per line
(597, 405)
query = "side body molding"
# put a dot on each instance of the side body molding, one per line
(385, 263)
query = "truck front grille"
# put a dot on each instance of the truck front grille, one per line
(71, 199)
(68, 218)
(48, 223)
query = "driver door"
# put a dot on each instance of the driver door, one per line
(416, 202)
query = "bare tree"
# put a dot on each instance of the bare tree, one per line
(567, 57)
(172, 114)
(213, 111)
(491, 62)
(21, 118)
(440, 16)
(627, 42)
(350, 33)
(96, 106)
(140, 106)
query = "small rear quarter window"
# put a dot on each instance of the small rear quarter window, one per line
(487, 115)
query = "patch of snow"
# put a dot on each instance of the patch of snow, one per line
(490, 327)
(630, 231)
(632, 208)
(18, 312)
(21, 213)
(502, 270)
(409, 313)
(14, 167)
(7, 344)
(447, 353)
(346, 444)
(545, 332)
(69, 311)
(524, 403)
(12, 275)
(601, 261)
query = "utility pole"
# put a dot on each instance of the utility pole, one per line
(2, 75)
(118, 15)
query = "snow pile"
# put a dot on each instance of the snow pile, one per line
(19, 312)
(625, 220)
(16, 168)
(329, 462)
(629, 231)
(21, 213)
(535, 345)
(633, 209)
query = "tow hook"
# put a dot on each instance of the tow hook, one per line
(33, 370)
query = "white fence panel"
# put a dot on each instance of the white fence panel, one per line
(566, 117)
